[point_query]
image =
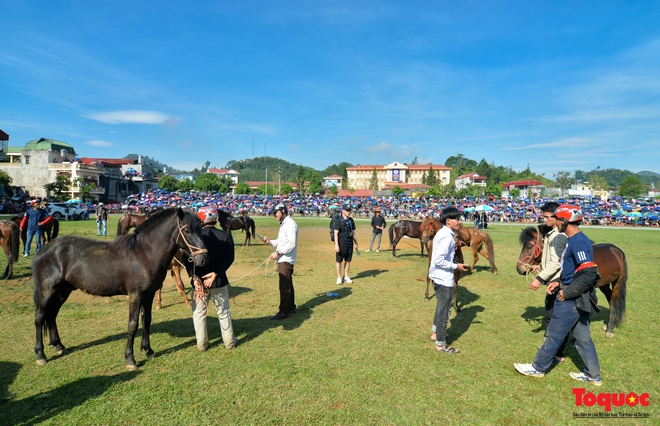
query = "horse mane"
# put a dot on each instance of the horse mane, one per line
(527, 235)
(544, 229)
(129, 241)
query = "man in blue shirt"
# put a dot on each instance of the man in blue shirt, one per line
(35, 217)
(576, 301)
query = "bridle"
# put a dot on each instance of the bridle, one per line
(194, 251)
(535, 254)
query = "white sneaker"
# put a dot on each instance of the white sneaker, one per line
(528, 370)
(367, 250)
(584, 378)
(338, 280)
(377, 251)
(25, 255)
(348, 280)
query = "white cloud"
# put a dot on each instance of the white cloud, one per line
(101, 144)
(132, 117)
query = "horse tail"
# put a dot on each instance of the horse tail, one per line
(252, 226)
(391, 232)
(56, 228)
(15, 243)
(491, 252)
(620, 306)
(120, 223)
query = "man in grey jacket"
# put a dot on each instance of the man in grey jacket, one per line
(554, 243)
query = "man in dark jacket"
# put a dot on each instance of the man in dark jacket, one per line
(210, 282)
(576, 301)
(378, 224)
(35, 218)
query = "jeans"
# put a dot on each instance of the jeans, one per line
(102, 225)
(443, 295)
(567, 317)
(28, 242)
(373, 236)
(220, 298)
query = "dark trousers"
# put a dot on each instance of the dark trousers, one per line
(549, 309)
(287, 293)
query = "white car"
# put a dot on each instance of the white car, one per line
(58, 210)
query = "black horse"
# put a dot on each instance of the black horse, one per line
(407, 228)
(133, 265)
(230, 223)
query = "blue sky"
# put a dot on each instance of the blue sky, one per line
(554, 85)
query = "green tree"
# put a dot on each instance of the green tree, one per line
(431, 177)
(563, 181)
(59, 189)
(315, 183)
(209, 182)
(167, 183)
(300, 179)
(597, 182)
(185, 185)
(397, 191)
(373, 183)
(5, 179)
(264, 189)
(631, 187)
(242, 188)
(333, 189)
(85, 188)
(286, 189)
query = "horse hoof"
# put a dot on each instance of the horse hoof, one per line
(151, 355)
(609, 334)
(131, 367)
(42, 361)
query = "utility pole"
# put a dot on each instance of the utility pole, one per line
(279, 179)
(266, 185)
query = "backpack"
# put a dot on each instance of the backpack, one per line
(333, 218)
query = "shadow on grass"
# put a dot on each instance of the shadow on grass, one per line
(534, 315)
(467, 315)
(44, 406)
(183, 327)
(369, 273)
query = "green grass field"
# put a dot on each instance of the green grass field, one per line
(361, 358)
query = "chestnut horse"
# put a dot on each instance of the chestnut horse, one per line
(612, 267)
(10, 242)
(429, 227)
(476, 239)
(130, 220)
(405, 228)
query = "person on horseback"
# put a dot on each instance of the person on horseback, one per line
(575, 302)
(210, 282)
(549, 271)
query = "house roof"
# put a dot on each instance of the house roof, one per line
(355, 193)
(222, 171)
(333, 176)
(472, 176)
(3, 136)
(108, 162)
(45, 144)
(518, 183)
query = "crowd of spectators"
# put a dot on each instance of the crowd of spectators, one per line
(614, 212)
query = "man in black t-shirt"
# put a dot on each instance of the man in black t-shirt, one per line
(345, 239)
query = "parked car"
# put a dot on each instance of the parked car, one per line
(59, 211)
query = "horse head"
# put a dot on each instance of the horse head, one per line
(190, 238)
(532, 249)
(429, 228)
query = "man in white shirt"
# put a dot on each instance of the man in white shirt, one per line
(441, 272)
(286, 248)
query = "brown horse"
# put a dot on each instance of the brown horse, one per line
(612, 267)
(10, 242)
(230, 223)
(405, 228)
(429, 227)
(129, 221)
(51, 229)
(476, 239)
